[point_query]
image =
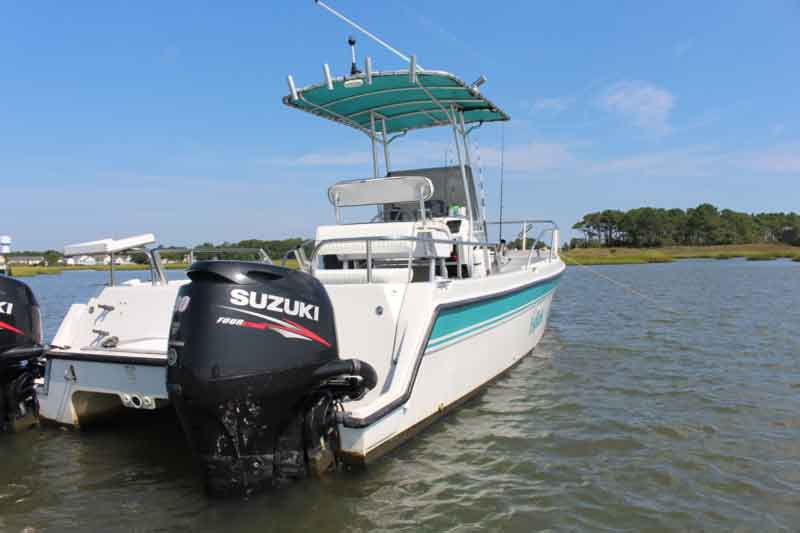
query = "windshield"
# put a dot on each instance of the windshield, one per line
(449, 196)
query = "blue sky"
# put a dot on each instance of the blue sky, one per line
(119, 118)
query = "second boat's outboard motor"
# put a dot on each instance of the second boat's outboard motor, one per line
(255, 375)
(20, 349)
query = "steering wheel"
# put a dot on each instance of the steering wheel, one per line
(402, 214)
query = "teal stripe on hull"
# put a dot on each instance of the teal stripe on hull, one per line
(482, 326)
(468, 317)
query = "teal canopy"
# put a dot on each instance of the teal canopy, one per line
(393, 97)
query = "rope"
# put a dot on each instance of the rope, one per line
(628, 288)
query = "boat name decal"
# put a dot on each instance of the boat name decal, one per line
(277, 304)
(6, 307)
(537, 319)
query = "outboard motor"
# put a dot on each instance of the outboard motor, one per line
(20, 349)
(255, 375)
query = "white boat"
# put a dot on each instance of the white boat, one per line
(386, 326)
(110, 353)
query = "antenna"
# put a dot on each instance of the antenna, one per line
(353, 67)
(378, 40)
(502, 154)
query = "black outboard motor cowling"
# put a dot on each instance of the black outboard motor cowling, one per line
(20, 348)
(255, 376)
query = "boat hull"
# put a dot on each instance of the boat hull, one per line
(468, 344)
(86, 382)
(79, 392)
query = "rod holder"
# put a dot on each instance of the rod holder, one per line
(477, 83)
(328, 80)
(292, 88)
(412, 69)
(368, 69)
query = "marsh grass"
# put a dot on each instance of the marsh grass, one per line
(627, 256)
(27, 271)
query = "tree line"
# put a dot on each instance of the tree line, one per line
(243, 250)
(246, 250)
(275, 248)
(705, 224)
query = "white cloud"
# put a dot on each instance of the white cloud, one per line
(701, 161)
(323, 159)
(555, 104)
(402, 154)
(780, 159)
(644, 104)
(542, 157)
(531, 157)
(679, 163)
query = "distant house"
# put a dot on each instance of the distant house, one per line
(26, 260)
(84, 260)
(118, 260)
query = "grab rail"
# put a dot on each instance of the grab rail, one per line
(529, 224)
(158, 275)
(262, 255)
(299, 255)
(553, 242)
(459, 244)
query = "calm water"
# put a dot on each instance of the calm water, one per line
(626, 417)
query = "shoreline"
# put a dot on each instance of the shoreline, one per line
(638, 256)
